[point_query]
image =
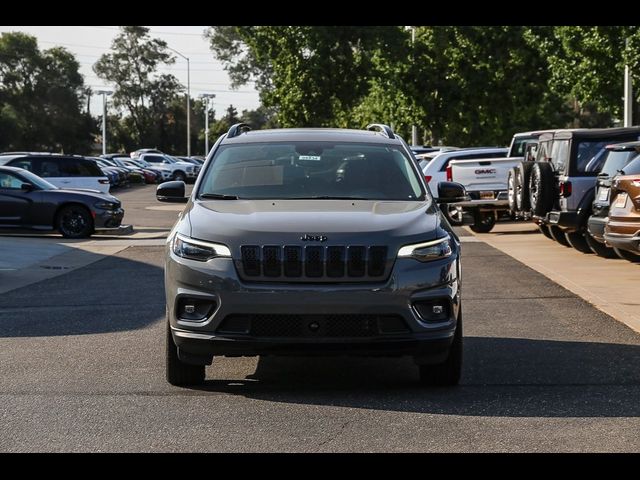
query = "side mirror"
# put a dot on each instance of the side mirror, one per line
(172, 192)
(27, 187)
(452, 192)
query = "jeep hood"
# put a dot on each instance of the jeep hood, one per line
(284, 222)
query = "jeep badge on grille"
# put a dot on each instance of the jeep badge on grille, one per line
(313, 238)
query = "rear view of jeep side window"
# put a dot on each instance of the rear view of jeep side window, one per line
(560, 155)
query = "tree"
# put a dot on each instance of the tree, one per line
(464, 86)
(41, 98)
(222, 126)
(144, 94)
(311, 75)
(260, 118)
(586, 65)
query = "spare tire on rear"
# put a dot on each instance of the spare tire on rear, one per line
(541, 188)
(522, 182)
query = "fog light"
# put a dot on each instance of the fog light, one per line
(194, 309)
(433, 310)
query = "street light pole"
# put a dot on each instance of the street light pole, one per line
(628, 93)
(414, 129)
(206, 97)
(105, 94)
(188, 100)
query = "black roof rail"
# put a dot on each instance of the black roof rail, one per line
(385, 128)
(237, 129)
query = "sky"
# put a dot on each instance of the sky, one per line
(207, 74)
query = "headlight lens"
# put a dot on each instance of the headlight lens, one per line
(106, 205)
(186, 247)
(427, 251)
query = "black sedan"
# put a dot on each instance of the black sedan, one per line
(28, 201)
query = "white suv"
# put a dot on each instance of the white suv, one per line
(182, 171)
(63, 171)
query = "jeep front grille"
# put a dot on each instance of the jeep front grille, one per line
(314, 262)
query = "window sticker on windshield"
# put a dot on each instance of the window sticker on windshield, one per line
(309, 157)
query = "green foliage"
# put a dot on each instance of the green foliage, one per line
(459, 85)
(154, 114)
(586, 63)
(465, 86)
(41, 98)
(312, 75)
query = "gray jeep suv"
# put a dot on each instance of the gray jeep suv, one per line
(312, 242)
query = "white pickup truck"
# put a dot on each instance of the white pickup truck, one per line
(486, 182)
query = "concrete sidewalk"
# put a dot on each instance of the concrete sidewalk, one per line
(611, 285)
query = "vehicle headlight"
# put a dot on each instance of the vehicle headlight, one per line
(427, 251)
(106, 205)
(192, 249)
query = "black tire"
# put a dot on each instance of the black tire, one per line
(74, 221)
(545, 231)
(180, 373)
(522, 193)
(627, 255)
(558, 235)
(577, 240)
(452, 214)
(512, 187)
(447, 373)
(541, 188)
(600, 249)
(179, 176)
(483, 222)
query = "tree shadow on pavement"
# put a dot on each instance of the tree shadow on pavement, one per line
(502, 377)
(117, 293)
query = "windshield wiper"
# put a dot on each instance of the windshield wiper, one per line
(219, 196)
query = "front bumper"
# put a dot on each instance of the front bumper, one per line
(105, 219)
(216, 281)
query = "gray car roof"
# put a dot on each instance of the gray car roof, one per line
(311, 135)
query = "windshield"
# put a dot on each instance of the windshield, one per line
(320, 170)
(41, 183)
(591, 155)
(519, 146)
(616, 160)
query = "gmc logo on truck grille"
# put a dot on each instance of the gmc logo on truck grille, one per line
(486, 171)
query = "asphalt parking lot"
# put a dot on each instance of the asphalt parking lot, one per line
(82, 369)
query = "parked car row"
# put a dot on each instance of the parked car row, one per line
(70, 193)
(582, 188)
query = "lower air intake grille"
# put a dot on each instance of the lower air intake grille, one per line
(311, 326)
